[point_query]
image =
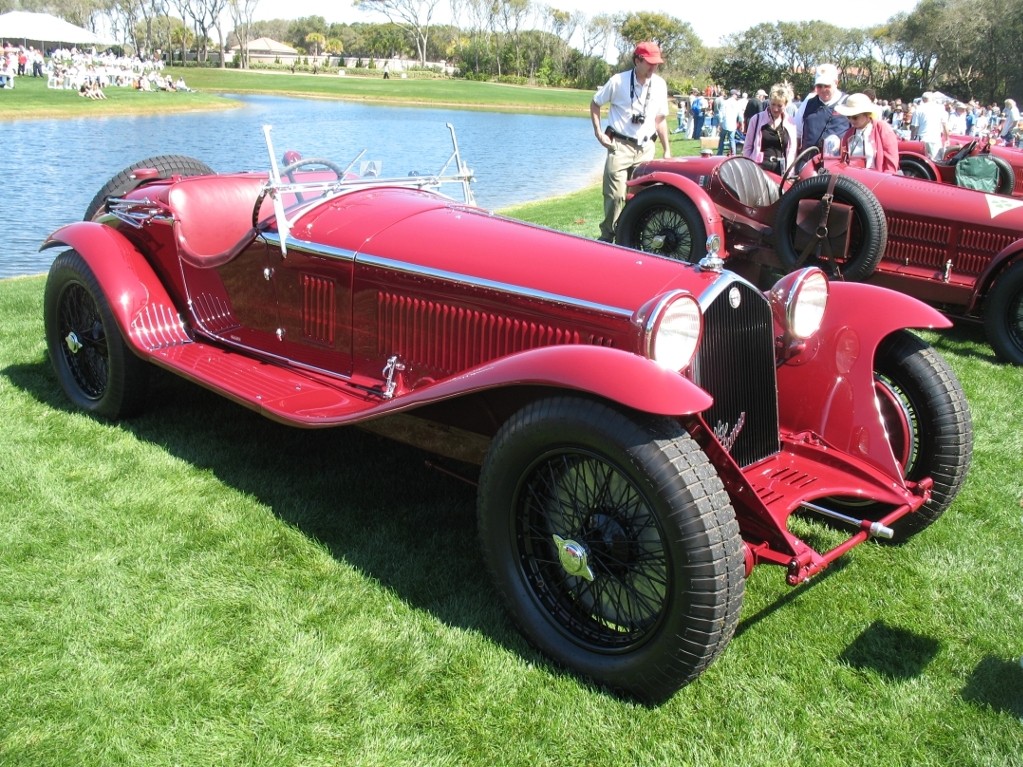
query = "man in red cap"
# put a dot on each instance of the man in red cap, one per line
(637, 107)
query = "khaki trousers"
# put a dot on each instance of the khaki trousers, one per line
(622, 159)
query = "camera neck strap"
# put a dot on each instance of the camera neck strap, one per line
(632, 90)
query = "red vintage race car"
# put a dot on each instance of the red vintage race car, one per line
(960, 250)
(1006, 164)
(641, 430)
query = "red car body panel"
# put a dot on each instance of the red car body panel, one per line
(479, 305)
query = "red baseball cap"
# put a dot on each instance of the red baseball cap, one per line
(649, 52)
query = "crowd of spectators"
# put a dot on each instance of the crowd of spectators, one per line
(700, 115)
(86, 72)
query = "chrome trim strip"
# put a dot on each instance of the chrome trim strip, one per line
(720, 284)
(453, 277)
(316, 249)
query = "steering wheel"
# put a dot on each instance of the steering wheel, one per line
(801, 159)
(964, 151)
(289, 170)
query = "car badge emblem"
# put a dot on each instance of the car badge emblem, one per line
(734, 297)
(726, 436)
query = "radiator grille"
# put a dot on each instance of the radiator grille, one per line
(736, 366)
(442, 339)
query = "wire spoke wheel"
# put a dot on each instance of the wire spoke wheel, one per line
(84, 348)
(612, 543)
(664, 231)
(592, 550)
(94, 365)
(662, 220)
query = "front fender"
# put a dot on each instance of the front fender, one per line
(141, 306)
(615, 375)
(696, 193)
(828, 388)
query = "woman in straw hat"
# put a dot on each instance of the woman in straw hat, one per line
(869, 139)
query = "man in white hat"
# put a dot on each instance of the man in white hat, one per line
(930, 125)
(817, 122)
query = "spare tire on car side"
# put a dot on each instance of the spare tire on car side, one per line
(869, 234)
(166, 165)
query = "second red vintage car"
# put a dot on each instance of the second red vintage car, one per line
(1007, 163)
(958, 249)
(642, 431)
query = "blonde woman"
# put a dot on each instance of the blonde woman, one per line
(771, 134)
(1009, 123)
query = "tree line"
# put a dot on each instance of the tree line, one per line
(967, 48)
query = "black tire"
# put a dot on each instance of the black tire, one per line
(928, 422)
(660, 219)
(1006, 176)
(574, 489)
(1003, 315)
(869, 228)
(914, 168)
(166, 165)
(94, 366)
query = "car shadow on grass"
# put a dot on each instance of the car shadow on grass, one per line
(997, 684)
(398, 514)
(966, 339)
(891, 652)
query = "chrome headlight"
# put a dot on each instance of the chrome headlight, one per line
(799, 301)
(673, 330)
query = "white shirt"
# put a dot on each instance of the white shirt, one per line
(731, 114)
(861, 144)
(957, 124)
(626, 96)
(928, 118)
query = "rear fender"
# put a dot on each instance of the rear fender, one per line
(612, 374)
(923, 159)
(711, 217)
(827, 388)
(141, 306)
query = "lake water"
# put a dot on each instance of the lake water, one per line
(55, 167)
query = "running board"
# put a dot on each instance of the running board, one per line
(280, 393)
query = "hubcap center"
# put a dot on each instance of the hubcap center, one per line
(573, 557)
(73, 344)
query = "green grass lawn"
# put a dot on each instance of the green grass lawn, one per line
(31, 97)
(201, 586)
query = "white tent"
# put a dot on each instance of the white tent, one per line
(265, 46)
(25, 27)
